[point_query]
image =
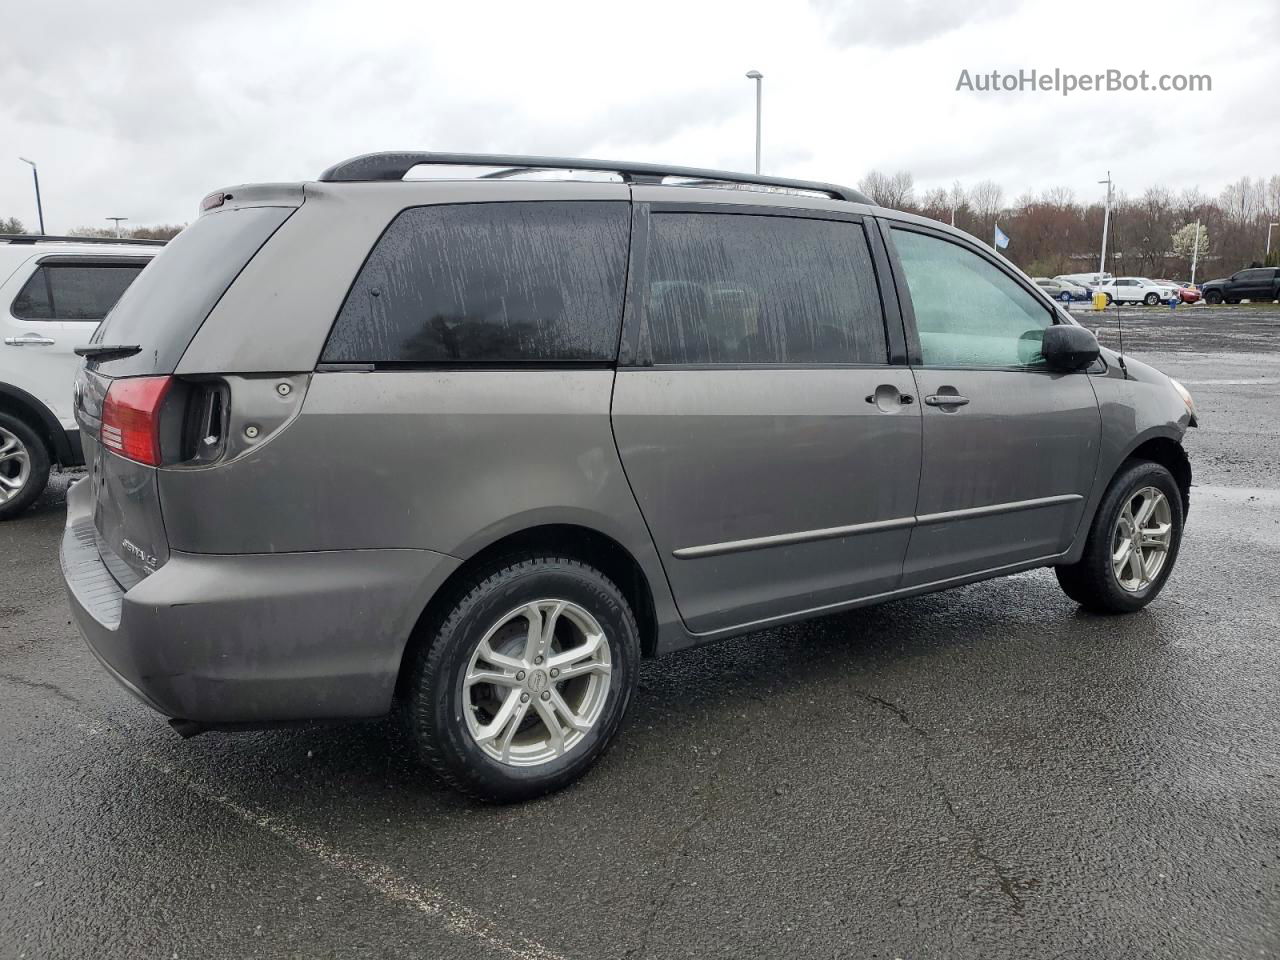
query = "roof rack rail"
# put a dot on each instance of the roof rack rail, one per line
(45, 238)
(394, 165)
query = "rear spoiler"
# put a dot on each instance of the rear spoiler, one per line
(253, 195)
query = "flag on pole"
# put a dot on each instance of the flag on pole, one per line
(1001, 241)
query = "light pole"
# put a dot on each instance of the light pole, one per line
(757, 76)
(1269, 226)
(1106, 222)
(117, 221)
(36, 175)
(1195, 254)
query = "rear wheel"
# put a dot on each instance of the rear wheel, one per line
(526, 679)
(24, 466)
(1110, 299)
(1132, 544)
(1065, 297)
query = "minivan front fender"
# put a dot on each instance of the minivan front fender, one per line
(1142, 415)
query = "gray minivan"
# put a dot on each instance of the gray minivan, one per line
(470, 448)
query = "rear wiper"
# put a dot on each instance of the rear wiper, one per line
(103, 351)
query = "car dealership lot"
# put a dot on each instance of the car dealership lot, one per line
(985, 772)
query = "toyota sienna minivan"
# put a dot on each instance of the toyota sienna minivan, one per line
(468, 449)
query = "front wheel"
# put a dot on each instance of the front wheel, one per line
(1151, 299)
(24, 466)
(1110, 299)
(1213, 296)
(526, 679)
(1065, 297)
(1132, 544)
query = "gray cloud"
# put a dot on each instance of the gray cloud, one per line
(140, 109)
(875, 23)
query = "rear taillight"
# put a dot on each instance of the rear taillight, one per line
(131, 418)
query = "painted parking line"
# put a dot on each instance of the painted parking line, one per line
(456, 918)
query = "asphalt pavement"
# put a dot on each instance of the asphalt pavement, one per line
(987, 772)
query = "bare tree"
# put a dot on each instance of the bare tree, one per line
(1273, 197)
(1241, 202)
(1059, 197)
(935, 204)
(11, 225)
(987, 199)
(896, 191)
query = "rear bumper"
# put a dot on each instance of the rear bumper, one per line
(254, 638)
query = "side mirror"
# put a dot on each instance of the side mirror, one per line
(1067, 347)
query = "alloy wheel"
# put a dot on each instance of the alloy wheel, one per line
(537, 682)
(1141, 539)
(15, 465)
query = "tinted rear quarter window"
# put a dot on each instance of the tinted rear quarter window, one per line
(68, 291)
(518, 282)
(164, 308)
(740, 288)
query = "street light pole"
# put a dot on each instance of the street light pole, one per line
(117, 221)
(757, 76)
(1106, 222)
(36, 175)
(1195, 254)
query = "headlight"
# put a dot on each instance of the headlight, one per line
(1185, 394)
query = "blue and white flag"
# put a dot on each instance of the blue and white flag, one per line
(1001, 241)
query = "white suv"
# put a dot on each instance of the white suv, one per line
(1137, 290)
(53, 293)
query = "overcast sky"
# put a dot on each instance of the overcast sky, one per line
(139, 109)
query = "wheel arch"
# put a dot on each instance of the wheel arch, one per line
(574, 540)
(1162, 445)
(1171, 455)
(19, 403)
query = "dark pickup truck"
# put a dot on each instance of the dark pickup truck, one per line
(1256, 284)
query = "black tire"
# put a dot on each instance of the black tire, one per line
(434, 698)
(1213, 296)
(1065, 297)
(1091, 582)
(37, 471)
(1151, 299)
(1110, 299)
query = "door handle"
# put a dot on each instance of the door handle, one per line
(946, 400)
(29, 340)
(887, 394)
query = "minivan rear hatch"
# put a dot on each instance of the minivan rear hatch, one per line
(159, 315)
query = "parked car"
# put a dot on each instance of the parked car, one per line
(1087, 280)
(54, 290)
(1063, 290)
(1137, 290)
(1187, 292)
(1259, 284)
(470, 449)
